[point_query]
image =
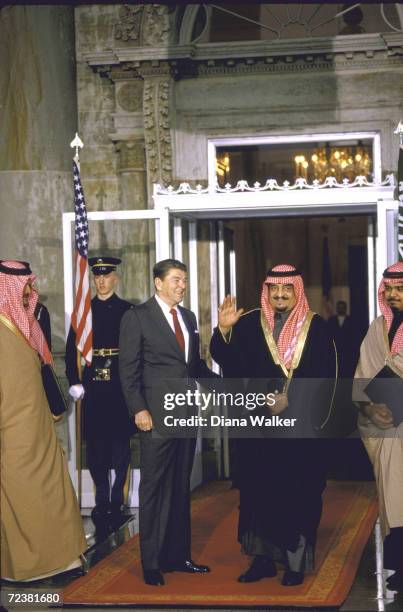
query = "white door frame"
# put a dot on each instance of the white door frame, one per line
(273, 200)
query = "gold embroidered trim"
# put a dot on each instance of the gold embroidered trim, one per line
(227, 338)
(389, 356)
(271, 343)
(386, 340)
(12, 327)
(252, 310)
(302, 339)
(325, 422)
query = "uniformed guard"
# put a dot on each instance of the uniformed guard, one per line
(107, 427)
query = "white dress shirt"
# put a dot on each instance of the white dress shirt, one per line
(165, 309)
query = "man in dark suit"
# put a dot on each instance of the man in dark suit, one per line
(159, 340)
(342, 330)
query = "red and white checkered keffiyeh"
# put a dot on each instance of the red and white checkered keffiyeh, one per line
(397, 344)
(12, 307)
(288, 338)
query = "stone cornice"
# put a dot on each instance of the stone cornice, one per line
(389, 42)
(182, 69)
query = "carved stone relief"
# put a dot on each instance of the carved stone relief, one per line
(147, 25)
(129, 24)
(155, 31)
(157, 129)
(129, 96)
(131, 155)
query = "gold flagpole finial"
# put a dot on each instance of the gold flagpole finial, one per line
(399, 130)
(77, 144)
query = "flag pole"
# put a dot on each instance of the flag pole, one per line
(399, 191)
(78, 435)
(78, 144)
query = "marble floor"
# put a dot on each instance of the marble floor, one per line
(368, 592)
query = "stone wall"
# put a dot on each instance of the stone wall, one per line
(39, 118)
(275, 104)
(114, 165)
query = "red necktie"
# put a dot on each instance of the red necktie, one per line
(178, 330)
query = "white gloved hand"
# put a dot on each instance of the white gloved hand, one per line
(76, 392)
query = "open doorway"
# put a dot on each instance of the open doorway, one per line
(262, 243)
(332, 254)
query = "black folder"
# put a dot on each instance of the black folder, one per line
(387, 388)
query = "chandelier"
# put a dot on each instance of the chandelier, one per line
(222, 165)
(340, 162)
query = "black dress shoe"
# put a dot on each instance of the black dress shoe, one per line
(261, 567)
(68, 576)
(117, 516)
(188, 567)
(101, 518)
(292, 578)
(100, 511)
(153, 577)
(395, 582)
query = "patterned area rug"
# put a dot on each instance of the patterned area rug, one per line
(349, 514)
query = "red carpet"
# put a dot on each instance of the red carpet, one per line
(349, 513)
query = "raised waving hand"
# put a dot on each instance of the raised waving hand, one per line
(228, 314)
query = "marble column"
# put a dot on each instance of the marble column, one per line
(137, 240)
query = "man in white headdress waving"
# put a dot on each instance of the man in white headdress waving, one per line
(280, 479)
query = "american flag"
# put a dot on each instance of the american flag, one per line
(81, 319)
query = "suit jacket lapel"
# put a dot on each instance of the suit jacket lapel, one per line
(163, 325)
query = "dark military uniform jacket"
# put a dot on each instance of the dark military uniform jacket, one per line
(41, 314)
(104, 408)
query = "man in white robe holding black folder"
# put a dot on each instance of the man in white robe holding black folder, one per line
(381, 425)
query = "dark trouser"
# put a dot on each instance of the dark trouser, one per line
(104, 453)
(393, 549)
(281, 506)
(164, 496)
